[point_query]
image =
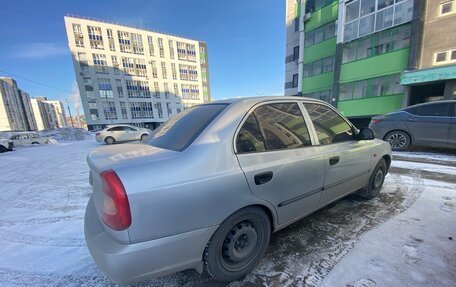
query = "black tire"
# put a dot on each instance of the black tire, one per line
(3, 149)
(143, 137)
(109, 140)
(375, 182)
(238, 244)
(398, 140)
(35, 143)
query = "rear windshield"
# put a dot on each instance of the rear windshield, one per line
(181, 130)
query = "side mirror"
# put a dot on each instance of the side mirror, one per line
(365, 134)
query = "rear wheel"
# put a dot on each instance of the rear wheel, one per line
(398, 140)
(238, 244)
(375, 181)
(110, 140)
(143, 137)
(35, 143)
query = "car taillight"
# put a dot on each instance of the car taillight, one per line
(97, 134)
(375, 121)
(115, 212)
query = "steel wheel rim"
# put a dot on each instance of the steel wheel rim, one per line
(397, 140)
(378, 178)
(240, 246)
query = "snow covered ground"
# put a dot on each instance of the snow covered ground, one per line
(400, 238)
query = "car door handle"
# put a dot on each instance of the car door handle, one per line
(263, 178)
(333, 160)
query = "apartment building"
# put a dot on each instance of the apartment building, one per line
(135, 76)
(352, 53)
(15, 107)
(433, 75)
(45, 114)
(59, 112)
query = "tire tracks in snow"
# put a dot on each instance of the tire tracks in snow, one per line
(37, 240)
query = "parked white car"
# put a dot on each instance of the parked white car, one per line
(121, 133)
(6, 145)
(29, 138)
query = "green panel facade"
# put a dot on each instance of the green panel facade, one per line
(322, 16)
(390, 63)
(320, 50)
(370, 106)
(317, 83)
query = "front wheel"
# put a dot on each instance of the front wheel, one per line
(143, 137)
(375, 181)
(398, 140)
(238, 244)
(3, 149)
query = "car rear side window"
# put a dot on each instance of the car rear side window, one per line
(434, 110)
(181, 130)
(330, 127)
(280, 126)
(249, 138)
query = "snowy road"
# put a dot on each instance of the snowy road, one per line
(43, 192)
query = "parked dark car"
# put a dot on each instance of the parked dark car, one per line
(430, 124)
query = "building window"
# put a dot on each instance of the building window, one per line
(445, 57)
(295, 80)
(447, 7)
(109, 109)
(363, 17)
(375, 87)
(296, 24)
(320, 34)
(321, 95)
(163, 68)
(295, 53)
(95, 37)
(318, 67)
(378, 44)
(105, 88)
(159, 108)
(123, 109)
(171, 49)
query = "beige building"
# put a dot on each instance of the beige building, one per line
(135, 76)
(434, 76)
(59, 111)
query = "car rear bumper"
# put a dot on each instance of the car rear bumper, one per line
(139, 261)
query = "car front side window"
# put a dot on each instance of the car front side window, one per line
(329, 126)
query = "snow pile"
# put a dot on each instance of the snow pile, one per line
(67, 134)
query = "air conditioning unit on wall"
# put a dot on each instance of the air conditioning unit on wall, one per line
(306, 17)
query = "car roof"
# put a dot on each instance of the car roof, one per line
(254, 100)
(430, 103)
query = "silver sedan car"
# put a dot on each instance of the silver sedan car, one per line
(121, 133)
(209, 186)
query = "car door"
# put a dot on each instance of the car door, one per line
(117, 133)
(430, 124)
(452, 131)
(26, 139)
(132, 133)
(17, 140)
(347, 160)
(282, 166)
